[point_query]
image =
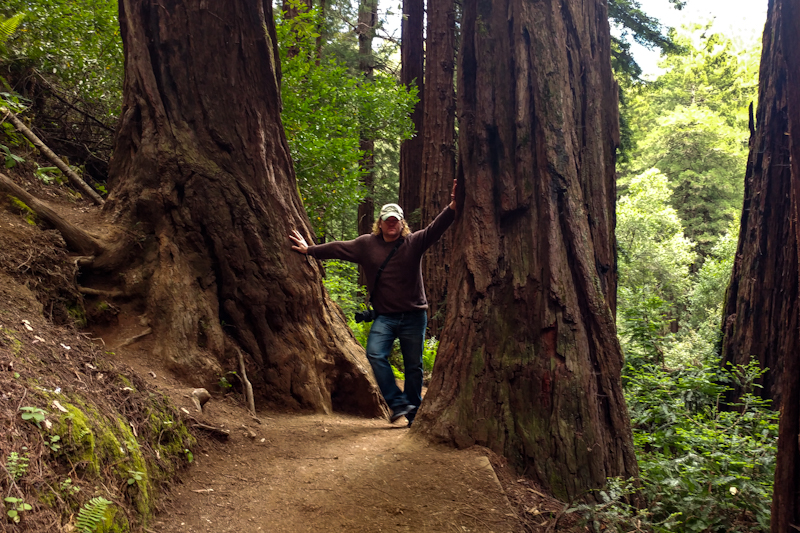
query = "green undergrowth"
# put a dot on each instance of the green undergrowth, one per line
(705, 466)
(83, 444)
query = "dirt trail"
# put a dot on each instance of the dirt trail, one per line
(302, 472)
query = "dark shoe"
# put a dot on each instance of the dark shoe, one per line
(400, 412)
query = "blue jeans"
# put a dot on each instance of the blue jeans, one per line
(409, 327)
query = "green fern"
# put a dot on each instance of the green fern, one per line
(9, 26)
(91, 514)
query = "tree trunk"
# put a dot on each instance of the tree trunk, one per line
(529, 363)
(367, 19)
(438, 158)
(786, 495)
(204, 181)
(412, 61)
(759, 319)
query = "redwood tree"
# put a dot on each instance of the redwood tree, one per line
(438, 155)
(760, 311)
(412, 63)
(204, 184)
(529, 363)
(784, 16)
(367, 20)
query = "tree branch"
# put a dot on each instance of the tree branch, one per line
(49, 154)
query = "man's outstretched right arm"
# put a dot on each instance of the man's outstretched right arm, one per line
(344, 250)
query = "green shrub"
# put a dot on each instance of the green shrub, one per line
(704, 465)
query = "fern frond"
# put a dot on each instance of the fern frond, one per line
(91, 514)
(9, 26)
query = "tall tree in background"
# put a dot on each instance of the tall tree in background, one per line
(438, 155)
(206, 186)
(412, 59)
(367, 20)
(786, 495)
(759, 318)
(530, 364)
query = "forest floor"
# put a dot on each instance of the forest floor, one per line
(295, 472)
(287, 472)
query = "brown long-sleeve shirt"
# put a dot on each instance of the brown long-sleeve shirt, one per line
(400, 288)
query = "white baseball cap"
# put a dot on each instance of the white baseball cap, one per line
(391, 210)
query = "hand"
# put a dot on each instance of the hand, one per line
(300, 243)
(453, 196)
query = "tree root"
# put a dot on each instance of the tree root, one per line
(99, 292)
(135, 338)
(251, 406)
(76, 239)
(49, 154)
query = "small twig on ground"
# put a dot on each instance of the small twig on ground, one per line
(487, 526)
(554, 523)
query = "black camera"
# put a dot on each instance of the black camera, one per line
(366, 316)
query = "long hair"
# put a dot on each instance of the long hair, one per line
(376, 228)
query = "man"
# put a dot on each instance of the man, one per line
(399, 297)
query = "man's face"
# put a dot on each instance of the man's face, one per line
(391, 228)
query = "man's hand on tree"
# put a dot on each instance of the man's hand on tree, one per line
(300, 243)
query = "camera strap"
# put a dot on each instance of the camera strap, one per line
(380, 270)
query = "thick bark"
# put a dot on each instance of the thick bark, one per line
(786, 495)
(759, 319)
(203, 177)
(529, 363)
(412, 60)
(438, 158)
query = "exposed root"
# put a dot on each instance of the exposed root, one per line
(99, 292)
(135, 338)
(76, 239)
(251, 406)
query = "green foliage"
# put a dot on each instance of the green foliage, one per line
(76, 41)
(17, 465)
(703, 466)
(341, 282)
(704, 160)
(429, 354)
(135, 476)
(8, 26)
(691, 124)
(33, 414)
(67, 488)
(705, 299)
(630, 21)
(654, 261)
(11, 160)
(326, 108)
(43, 173)
(91, 515)
(15, 506)
(53, 443)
